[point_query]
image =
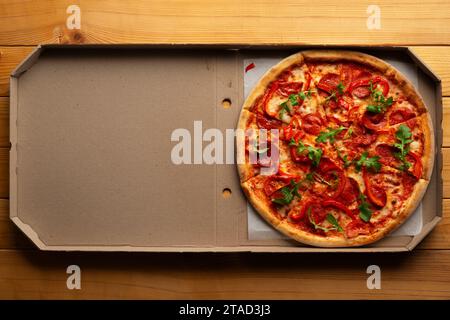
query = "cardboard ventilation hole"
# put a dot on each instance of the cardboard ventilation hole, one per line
(90, 160)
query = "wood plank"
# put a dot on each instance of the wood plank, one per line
(225, 21)
(439, 238)
(4, 173)
(10, 236)
(446, 122)
(42, 275)
(4, 122)
(10, 57)
(446, 172)
(438, 60)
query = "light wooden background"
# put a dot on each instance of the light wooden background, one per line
(28, 273)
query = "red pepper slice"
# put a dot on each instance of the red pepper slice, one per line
(269, 94)
(298, 157)
(249, 67)
(338, 205)
(416, 162)
(293, 130)
(377, 80)
(375, 194)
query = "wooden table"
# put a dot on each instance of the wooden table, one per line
(27, 273)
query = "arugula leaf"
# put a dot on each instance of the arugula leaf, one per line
(284, 108)
(288, 193)
(314, 154)
(403, 135)
(331, 219)
(374, 109)
(381, 102)
(293, 99)
(341, 88)
(344, 158)
(370, 163)
(365, 213)
(319, 227)
(330, 135)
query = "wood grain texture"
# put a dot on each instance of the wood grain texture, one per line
(439, 238)
(10, 57)
(10, 236)
(40, 275)
(438, 60)
(226, 21)
(4, 173)
(4, 122)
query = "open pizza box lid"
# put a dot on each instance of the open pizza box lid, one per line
(91, 165)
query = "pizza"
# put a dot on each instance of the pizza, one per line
(354, 148)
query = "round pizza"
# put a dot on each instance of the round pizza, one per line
(339, 148)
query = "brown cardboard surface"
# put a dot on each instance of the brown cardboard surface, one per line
(90, 151)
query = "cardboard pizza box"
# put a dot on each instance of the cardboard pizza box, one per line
(93, 164)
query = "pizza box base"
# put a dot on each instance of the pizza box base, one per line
(90, 159)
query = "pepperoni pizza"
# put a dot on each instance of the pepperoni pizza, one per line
(355, 148)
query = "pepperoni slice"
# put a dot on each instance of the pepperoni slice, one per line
(287, 88)
(312, 123)
(350, 192)
(361, 92)
(364, 139)
(372, 121)
(386, 153)
(408, 182)
(274, 183)
(329, 82)
(266, 123)
(401, 115)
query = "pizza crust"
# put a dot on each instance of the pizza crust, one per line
(392, 75)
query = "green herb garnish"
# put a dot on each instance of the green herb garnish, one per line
(288, 193)
(314, 154)
(381, 103)
(403, 135)
(341, 88)
(330, 135)
(284, 108)
(370, 163)
(330, 218)
(344, 158)
(365, 213)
